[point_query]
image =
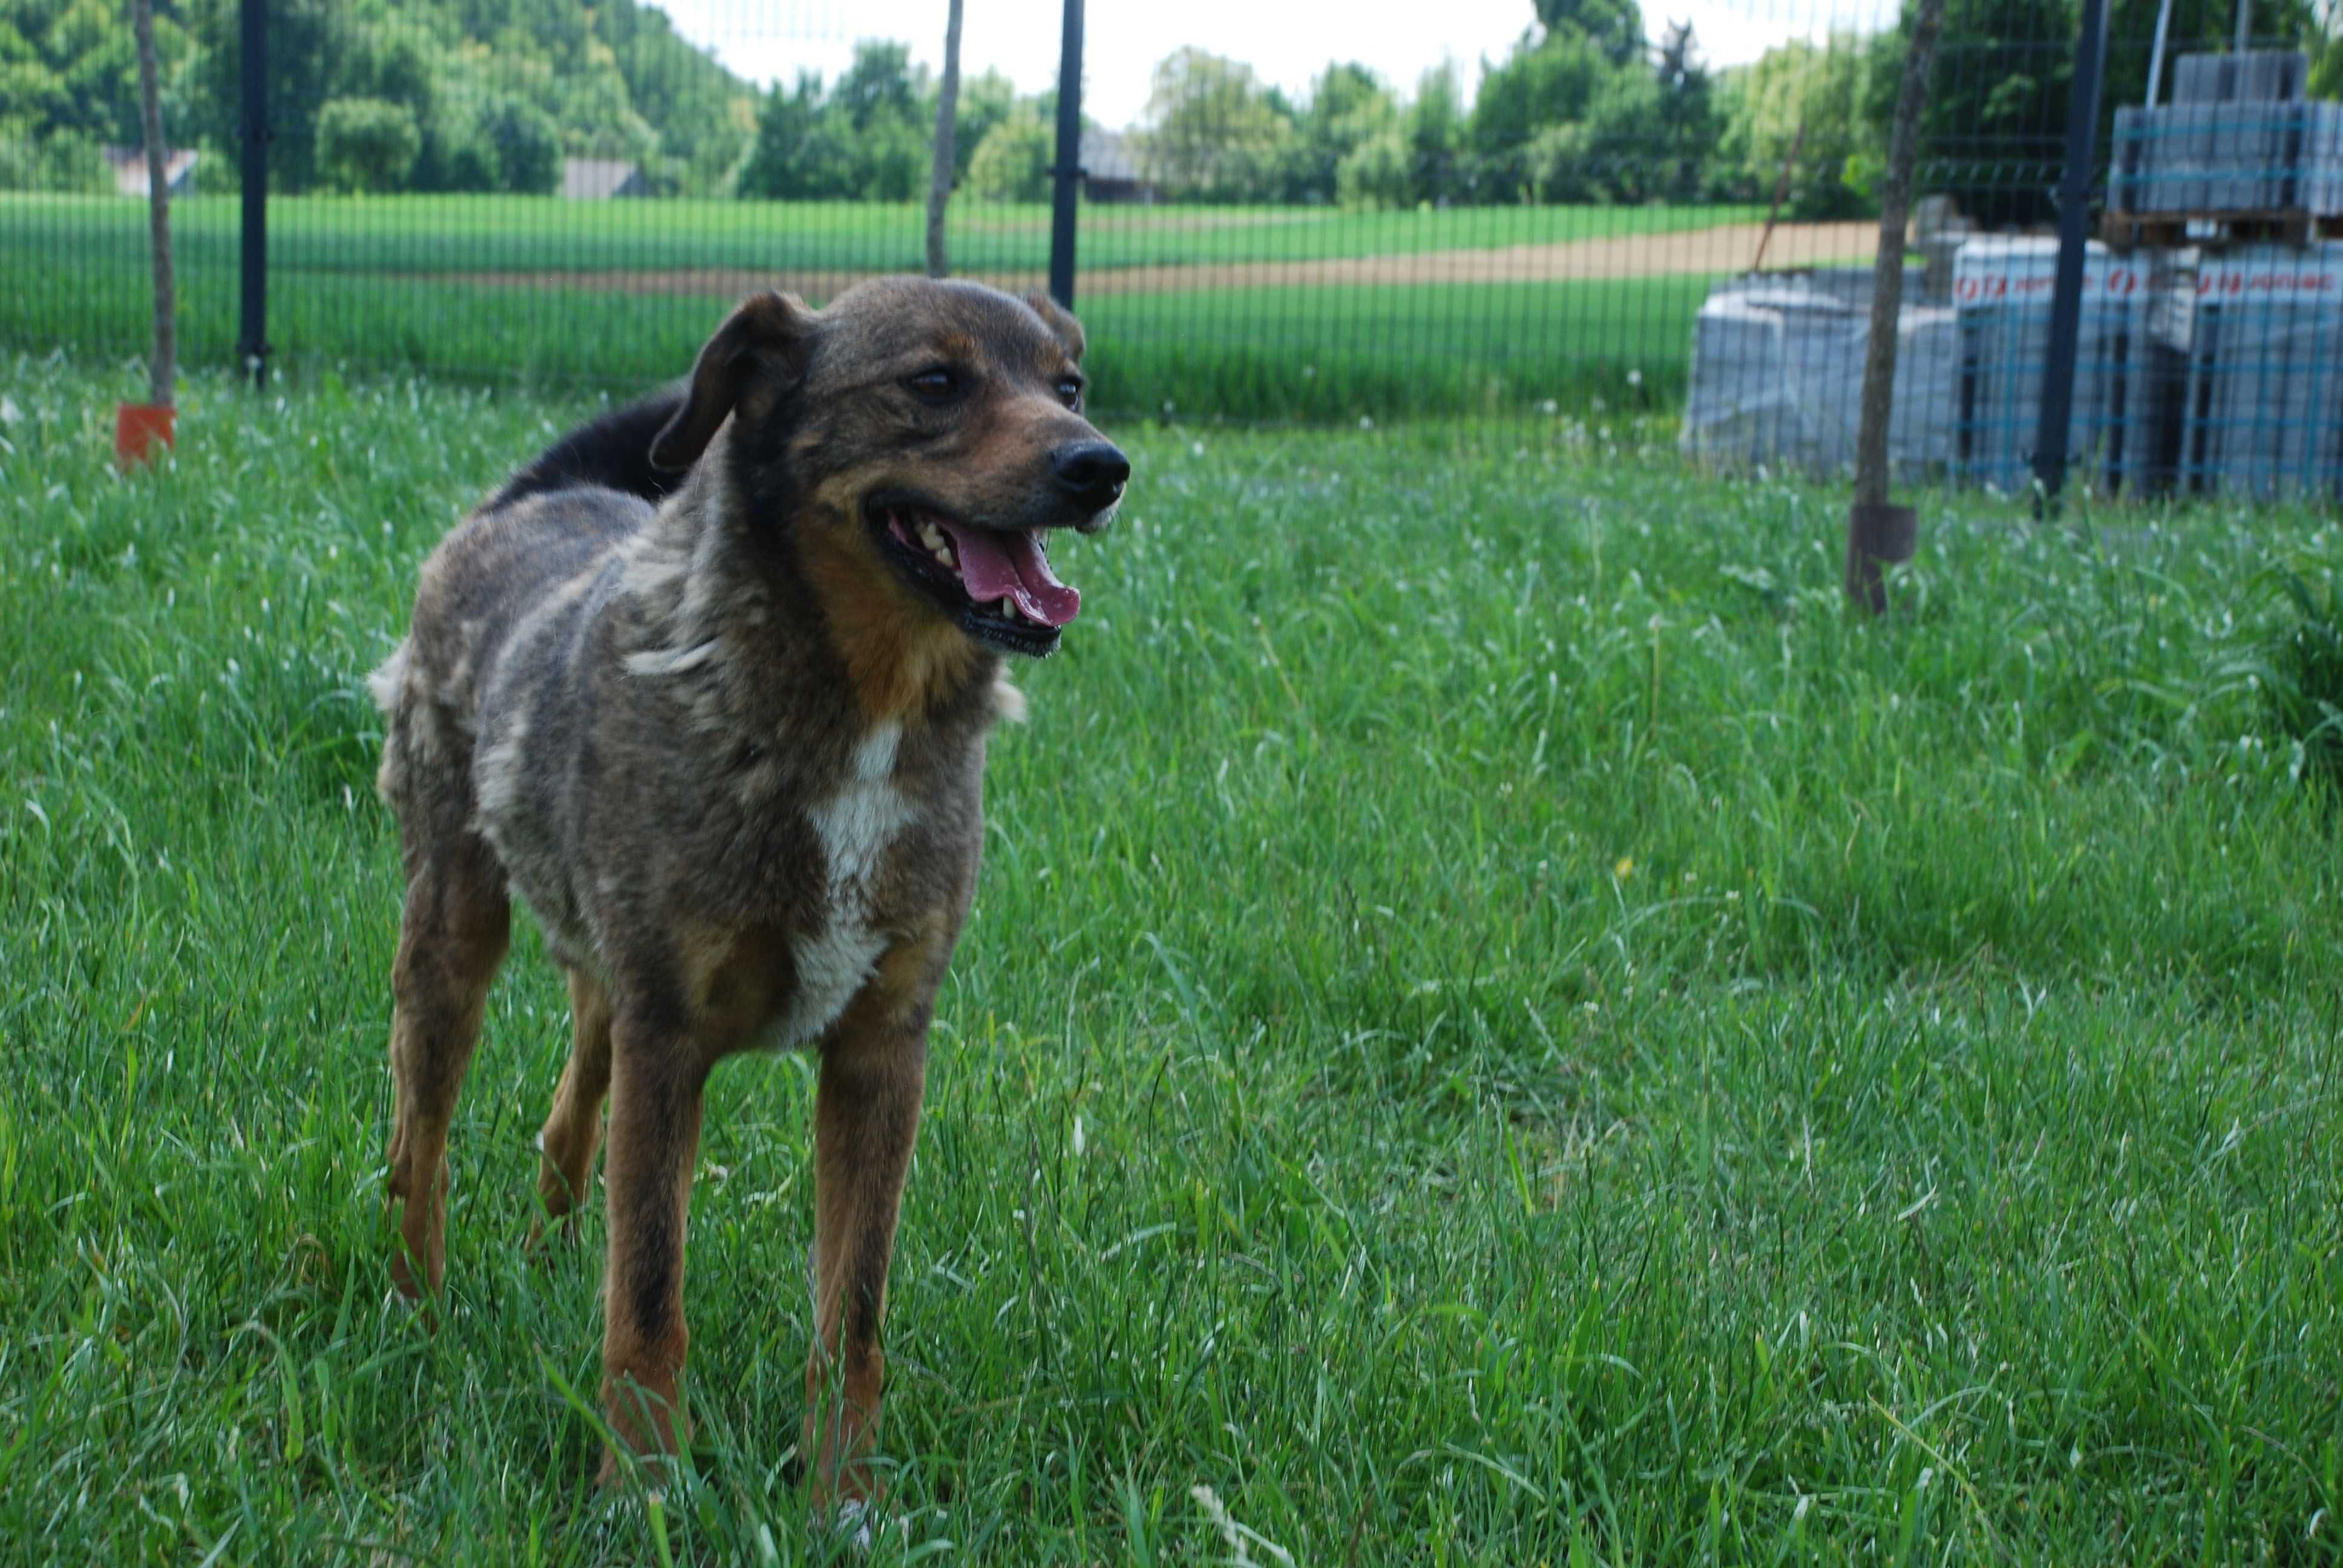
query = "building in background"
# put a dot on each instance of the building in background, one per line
(601, 179)
(1112, 170)
(129, 168)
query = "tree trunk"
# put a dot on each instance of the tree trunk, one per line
(940, 179)
(163, 366)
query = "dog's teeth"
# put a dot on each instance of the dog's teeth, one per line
(942, 554)
(932, 536)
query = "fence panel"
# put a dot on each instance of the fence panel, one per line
(1563, 229)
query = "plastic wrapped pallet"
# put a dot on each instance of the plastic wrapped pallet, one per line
(2238, 138)
(2262, 75)
(1777, 376)
(2125, 379)
(2264, 409)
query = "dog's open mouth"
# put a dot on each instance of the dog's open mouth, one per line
(996, 583)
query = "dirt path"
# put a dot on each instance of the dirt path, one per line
(1726, 247)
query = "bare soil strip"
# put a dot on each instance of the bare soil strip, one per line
(1726, 247)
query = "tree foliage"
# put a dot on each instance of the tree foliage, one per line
(1012, 162)
(478, 81)
(1212, 132)
(367, 144)
(1585, 106)
(867, 138)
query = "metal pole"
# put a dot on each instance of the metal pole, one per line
(2155, 55)
(1069, 172)
(252, 341)
(2074, 237)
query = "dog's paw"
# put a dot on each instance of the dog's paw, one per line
(854, 1523)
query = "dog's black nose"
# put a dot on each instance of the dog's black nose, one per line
(1094, 471)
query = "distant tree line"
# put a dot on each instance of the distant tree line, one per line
(372, 95)
(1588, 106)
(867, 136)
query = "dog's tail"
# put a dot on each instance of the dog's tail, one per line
(611, 451)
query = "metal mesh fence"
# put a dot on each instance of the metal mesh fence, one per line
(1586, 209)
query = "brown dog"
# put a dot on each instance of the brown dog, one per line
(729, 749)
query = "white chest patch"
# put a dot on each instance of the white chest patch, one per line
(855, 828)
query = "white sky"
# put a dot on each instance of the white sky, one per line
(1287, 43)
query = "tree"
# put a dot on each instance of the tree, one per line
(1823, 88)
(367, 144)
(1545, 81)
(861, 141)
(1012, 162)
(1434, 130)
(523, 145)
(1377, 173)
(878, 86)
(306, 37)
(1210, 132)
(800, 153)
(1687, 110)
(1349, 105)
(984, 101)
(1615, 27)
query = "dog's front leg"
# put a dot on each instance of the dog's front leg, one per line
(866, 1115)
(657, 1078)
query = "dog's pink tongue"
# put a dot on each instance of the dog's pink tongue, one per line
(1012, 564)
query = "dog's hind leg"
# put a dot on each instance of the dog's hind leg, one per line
(452, 938)
(573, 1129)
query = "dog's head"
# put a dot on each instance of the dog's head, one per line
(931, 435)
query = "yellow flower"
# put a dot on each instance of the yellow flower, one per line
(1624, 869)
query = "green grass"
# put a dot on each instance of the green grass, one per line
(361, 283)
(471, 233)
(1261, 353)
(1499, 1027)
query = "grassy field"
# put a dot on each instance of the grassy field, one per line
(1499, 1028)
(475, 234)
(372, 284)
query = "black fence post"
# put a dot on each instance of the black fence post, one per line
(1067, 175)
(252, 338)
(2074, 238)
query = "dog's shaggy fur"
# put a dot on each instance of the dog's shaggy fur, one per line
(708, 685)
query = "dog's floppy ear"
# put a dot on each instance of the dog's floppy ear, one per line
(770, 334)
(1058, 320)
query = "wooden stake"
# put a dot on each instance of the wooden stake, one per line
(1781, 189)
(1877, 533)
(163, 366)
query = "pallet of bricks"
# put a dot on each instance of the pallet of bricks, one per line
(2262, 414)
(1777, 376)
(2130, 363)
(2237, 185)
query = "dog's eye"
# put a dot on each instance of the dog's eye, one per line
(1070, 392)
(937, 386)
